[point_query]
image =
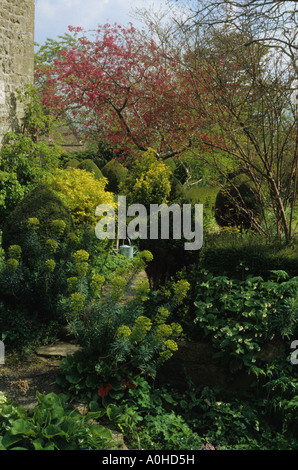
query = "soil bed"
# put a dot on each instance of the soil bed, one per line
(23, 375)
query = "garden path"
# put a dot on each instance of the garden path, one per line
(21, 376)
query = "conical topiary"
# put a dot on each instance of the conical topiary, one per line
(115, 173)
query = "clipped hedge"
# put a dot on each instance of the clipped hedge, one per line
(236, 204)
(90, 166)
(239, 258)
(115, 173)
(73, 163)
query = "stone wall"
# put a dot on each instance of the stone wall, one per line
(16, 58)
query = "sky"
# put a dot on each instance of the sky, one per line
(52, 17)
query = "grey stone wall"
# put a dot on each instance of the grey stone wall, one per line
(16, 58)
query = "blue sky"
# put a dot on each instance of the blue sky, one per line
(52, 17)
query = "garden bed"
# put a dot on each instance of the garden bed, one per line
(21, 377)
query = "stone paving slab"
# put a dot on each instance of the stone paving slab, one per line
(59, 348)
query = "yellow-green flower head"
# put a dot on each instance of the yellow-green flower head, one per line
(168, 350)
(176, 330)
(15, 251)
(142, 289)
(97, 282)
(162, 315)
(58, 226)
(33, 223)
(51, 245)
(72, 283)
(180, 290)
(146, 255)
(77, 302)
(123, 332)
(141, 327)
(50, 265)
(81, 256)
(118, 287)
(163, 332)
(12, 265)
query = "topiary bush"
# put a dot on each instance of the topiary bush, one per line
(115, 173)
(22, 164)
(40, 203)
(236, 204)
(72, 163)
(90, 166)
(236, 255)
(33, 279)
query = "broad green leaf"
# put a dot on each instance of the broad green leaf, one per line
(20, 426)
(53, 430)
(9, 439)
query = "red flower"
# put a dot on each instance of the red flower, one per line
(127, 383)
(104, 390)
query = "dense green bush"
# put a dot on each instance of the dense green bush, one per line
(33, 278)
(90, 166)
(115, 173)
(169, 257)
(233, 254)
(148, 181)
(40, 203)
(239, 317)
(177, 190)
(119, 344)
(236, 204)
(22, 164)
(72, 163)
(22, 328)
(205, 195)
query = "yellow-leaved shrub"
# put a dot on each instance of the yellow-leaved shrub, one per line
(80, 192)
(148, 181)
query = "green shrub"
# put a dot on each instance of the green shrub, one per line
(22, 327)
(81, 193)
(22, 164)
(90, 166)
(115, 173)
(34, 277)
(72, 163)
(232, 254)
(119, 343)
(40, 203)
(148, 181)
(236, 204)
(239, 316)
(177, 190)
(205, 195)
